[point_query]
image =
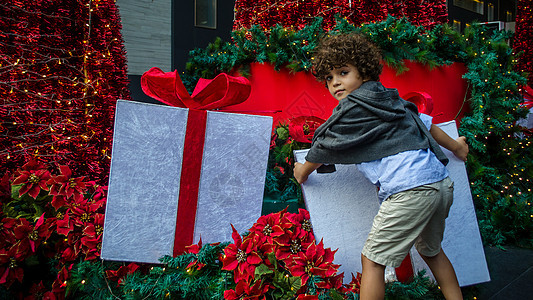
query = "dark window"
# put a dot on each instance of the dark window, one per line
(205, 13)
(471, 5)
(490, 12)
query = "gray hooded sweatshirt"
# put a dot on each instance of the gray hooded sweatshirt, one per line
(371, 123)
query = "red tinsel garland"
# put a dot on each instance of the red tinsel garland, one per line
(523, 38)
(298, 13)
(62, 67)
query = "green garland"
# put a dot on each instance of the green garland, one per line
(500, 164)
(173, 280)
(398, 39)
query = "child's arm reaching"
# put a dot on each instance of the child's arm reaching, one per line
(302, 171)
(459, 147)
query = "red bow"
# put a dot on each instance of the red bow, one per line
(224, 90)
(422, 100)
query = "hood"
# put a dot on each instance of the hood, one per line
(381, 101)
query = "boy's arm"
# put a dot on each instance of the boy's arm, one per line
(459, 147)
(302, 171)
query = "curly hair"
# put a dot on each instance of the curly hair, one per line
(335, 51)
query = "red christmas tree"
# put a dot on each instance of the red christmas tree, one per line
(298, 13)
(523, 38)
(62, 68)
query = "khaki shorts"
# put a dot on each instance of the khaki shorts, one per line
(415, 216)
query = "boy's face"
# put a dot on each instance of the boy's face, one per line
(343, 80)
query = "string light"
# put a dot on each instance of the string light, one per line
(57, 87)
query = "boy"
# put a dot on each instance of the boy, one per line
(397, 150)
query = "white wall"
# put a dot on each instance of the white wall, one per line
(146, 30)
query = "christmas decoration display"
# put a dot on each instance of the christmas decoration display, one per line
(62, 67)
(53, 253)
(280, 257)
(524, 36)
(48, 223)
(500, 164)
(502, 198)
(280, 183)
(301, 95)
(355, 204)
(194, 186)
(296, 14)
(399, 40)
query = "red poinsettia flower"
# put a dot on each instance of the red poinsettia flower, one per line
(303, 128)
(303, 223)
(98, 191)
(30, 237)
(51, 296)
(95, 228)
(82, 224)
(66, 186)
(314, 261)
(272, 225)
(7, 237)
(119, 274)
(243, 290)
(37, 291)
(241, 257)
(10, 261)
(5, 188)
(194, 249)
(59, 201)
(65, 224)
(60, 283)
(8, 275)
(332, 282)
(290, 244)
(353, 286)
(71, 252)
(91, 247)
(33, 176)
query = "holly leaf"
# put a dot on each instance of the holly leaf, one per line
(272, 258)
(334, 295)
(15, 191)
(283, 133)
(286, 283)
(262, 269)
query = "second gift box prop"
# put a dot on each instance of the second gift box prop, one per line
(343, 204)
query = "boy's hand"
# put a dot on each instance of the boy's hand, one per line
(459, 147)
(302, 171)
(461, 151)
(299, 173)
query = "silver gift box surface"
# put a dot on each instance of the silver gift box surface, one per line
(342, 206)
(144, 179)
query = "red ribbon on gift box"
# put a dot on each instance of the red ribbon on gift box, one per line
(167, 87)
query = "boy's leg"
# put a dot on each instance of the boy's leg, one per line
(372, 280)
(442, 269)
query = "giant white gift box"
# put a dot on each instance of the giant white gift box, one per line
(144, 179)
(342, 206)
